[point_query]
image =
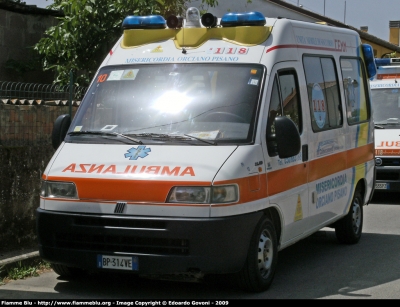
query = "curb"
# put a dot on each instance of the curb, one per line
(18, 260)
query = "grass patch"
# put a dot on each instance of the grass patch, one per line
(21, 271)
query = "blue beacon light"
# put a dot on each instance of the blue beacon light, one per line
(144, 22)
(369, 60)
(243, 19)
(382, 62)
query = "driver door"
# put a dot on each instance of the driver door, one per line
(286, 178)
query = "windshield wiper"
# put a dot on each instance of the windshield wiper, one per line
(379, 126)
(159, 136)
(105, 134)
(202, 140)
(156, 135)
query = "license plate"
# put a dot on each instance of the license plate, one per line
(382, 186)
(118, 262)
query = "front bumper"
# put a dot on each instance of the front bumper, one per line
(162, 245)
(387, 179)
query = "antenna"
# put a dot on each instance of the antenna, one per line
(183, 41)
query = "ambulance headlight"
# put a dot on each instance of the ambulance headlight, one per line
(204, 195)
(57, 189)
(198, 195)
(224, 194)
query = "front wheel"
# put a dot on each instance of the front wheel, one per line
(65, 271)
(348, 229)
(259, 269)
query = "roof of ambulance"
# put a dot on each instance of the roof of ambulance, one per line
(156, 52)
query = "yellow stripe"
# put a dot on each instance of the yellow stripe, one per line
(195, 37)
(363, 132)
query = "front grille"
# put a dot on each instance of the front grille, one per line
(385, 176)
(119, 208)
(114, 243)
(119, 223)
(390, 162)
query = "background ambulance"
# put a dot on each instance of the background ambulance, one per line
(385, 93)
(206, 145)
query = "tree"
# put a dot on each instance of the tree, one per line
(16, 1)
(89, 29)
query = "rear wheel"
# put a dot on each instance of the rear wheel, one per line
(259, 269)
(348, 230)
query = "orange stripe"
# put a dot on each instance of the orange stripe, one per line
(247, 193)
(341, 161)
(287, 178)
(360, 155)
(387, 152)
(294, 176)
(387, 76)
(326, 166)
(128, 190)
(104, 190)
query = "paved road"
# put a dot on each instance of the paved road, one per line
(317, 267)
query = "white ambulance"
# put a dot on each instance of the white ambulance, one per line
(206, 145)
(385, 96)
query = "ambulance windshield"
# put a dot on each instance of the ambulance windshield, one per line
(386, 105)
(205, 101)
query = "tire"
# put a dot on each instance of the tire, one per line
(66, 271)
(348, 230)
(259, 269)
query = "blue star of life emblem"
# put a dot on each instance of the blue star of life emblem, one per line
(139, 152)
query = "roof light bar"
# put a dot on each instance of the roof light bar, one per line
(243, 19)
(144, 22)
(387, 61)
(382, 62)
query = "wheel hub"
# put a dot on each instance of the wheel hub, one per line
(265, 254)
(356, 216)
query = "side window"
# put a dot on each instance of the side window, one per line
(323, 93)
(285, 101)
(355, 88)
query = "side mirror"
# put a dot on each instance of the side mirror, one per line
(287, 137)
(60, 128)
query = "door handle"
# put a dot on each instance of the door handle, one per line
(304, 152)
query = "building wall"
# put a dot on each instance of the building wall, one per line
(25, 150)
(19, 32)
(379, 50)
(394, 35)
